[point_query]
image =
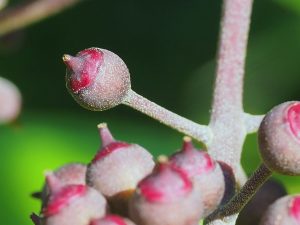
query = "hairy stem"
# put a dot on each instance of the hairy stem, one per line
(30, 12)
(238, 202)
(227, 118)
(227, 121)
(252, 122)
(199, 132)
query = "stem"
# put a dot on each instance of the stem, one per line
(227, 121)
(252, 122)
(30, 12)
(199, 132)
(244, 196)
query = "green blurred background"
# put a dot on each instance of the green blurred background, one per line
(169, 47)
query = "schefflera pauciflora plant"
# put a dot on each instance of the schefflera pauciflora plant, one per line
(75, 204)
(224, 136)
(117, 168)
(166, 196)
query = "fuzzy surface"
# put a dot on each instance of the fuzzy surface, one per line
(183, 211)
(166, 184)
(109, 87)
(80, 211)
(278, 142)
(72, 173)
(206, 175)
(120, 170)
(281, 212)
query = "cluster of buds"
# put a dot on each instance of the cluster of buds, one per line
(123, 185)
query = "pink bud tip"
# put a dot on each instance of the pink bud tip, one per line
(61, 199)
(109, 219)
(191, 160)
(83, 68)
(293, 118)
(295, 208)
(166, 184)
(187, 144)
(109, 144)
(53, 182)
(105, 135)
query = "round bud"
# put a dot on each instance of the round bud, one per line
(97, 78)
(72, 173)
(117, 168)
(112, 220)
(166, 196)
(10, 101)
(72, 204)
(205, 173)
(279, 138)
(284, 211)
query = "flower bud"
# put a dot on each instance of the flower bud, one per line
(205, 173)
(72, 204)
(166, 196)
(117, 168)
(97, 78)
(279, 138)
(72, 173)
(284, 211)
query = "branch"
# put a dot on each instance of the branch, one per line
(252, 122)
(227, 121)
(199, 132)
(244, 196)
(227, 118)
(30, 12)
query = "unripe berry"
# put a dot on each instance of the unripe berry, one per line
(72, 204)
(205, 173)
(112, 220)
(279, 138)
(10, 101)
(117, 168)
(72, 173)
(97, 78)
(284, 211)
(166, 197)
